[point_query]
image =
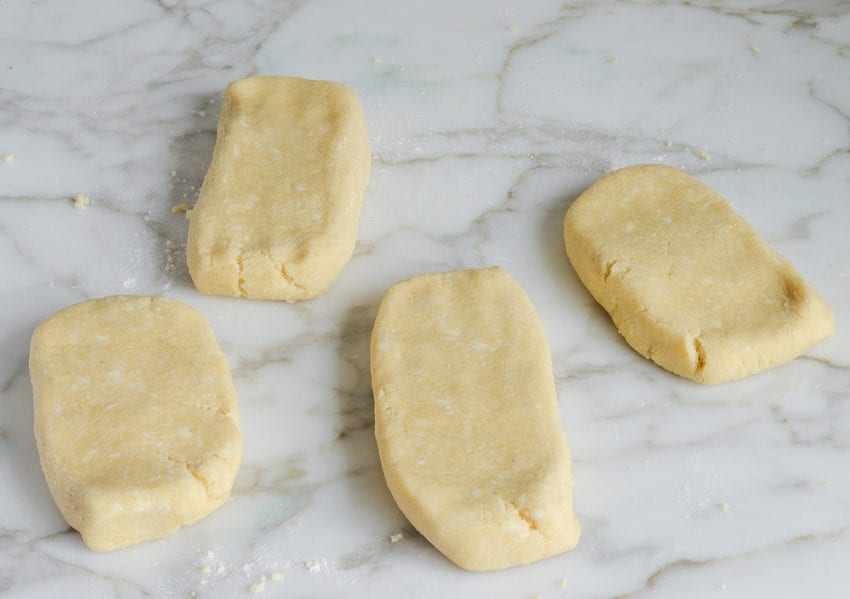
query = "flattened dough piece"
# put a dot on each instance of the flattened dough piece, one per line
(135, 417)
(686, 280)
(278, 212)
(466, 419)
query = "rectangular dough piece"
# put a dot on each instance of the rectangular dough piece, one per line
(136, 418)
(687, 282)
(278, 212)
(466, 419)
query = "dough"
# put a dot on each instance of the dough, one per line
(278, 212)
(466, 419)
(687, 281)
(135, 417)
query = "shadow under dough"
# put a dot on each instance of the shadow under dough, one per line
(552, 237)
(191, 153)
(357, 416)
(554, 252)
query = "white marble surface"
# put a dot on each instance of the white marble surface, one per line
(486, 121)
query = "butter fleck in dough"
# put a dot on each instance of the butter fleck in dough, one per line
(278, 212)
(466, 419)
(687, 282)
(136, 417)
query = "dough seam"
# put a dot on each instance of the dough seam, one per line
(287, 277)
(525, 515)
(240, 280)
(700, 355)
(609, 266)
(194, 468)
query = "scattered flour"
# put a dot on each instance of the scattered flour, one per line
(312, 565)
(258, 587)
(81, 202)
(174, 261)
(211, 566)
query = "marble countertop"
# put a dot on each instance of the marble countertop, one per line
(486, 120)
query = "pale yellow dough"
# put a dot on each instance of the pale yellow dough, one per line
(136, 417)
(278, 212)
(687, 281)
(466, 419)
